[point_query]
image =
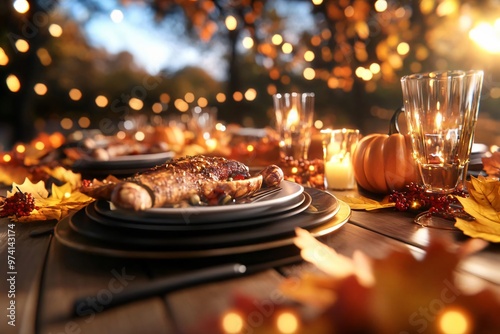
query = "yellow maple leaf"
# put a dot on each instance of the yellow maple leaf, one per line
(37, 190)
(65, 175)
(61, 201)
(358, 202)
(485, 191)
(487, 223)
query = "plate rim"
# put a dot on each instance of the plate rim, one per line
(334, 223)
(207, 214)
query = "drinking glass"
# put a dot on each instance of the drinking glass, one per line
(441, 110)
(294, 120)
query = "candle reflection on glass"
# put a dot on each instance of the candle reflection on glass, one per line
(338, 147)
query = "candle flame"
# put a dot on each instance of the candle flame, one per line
(439, 120)
(292, 118)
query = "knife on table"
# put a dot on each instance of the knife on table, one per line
(191, 278)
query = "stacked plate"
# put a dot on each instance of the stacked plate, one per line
(120, 166)
(203, 231)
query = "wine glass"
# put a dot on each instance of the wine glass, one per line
(441, 110)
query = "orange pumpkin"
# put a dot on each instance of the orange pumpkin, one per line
(383, 163)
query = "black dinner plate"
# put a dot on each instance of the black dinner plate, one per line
(81, 223)
(300, 204)
(256, 252)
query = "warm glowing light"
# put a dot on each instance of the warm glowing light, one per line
(181, 105)
(84, 122)
(220, 127)
(101, 101)
(247, 42)
(447, 7)
(116, 15)
(164, 98)
(55, 30)
(66, 123)
(317, 2)
(380, 5)
(189, 97)
(39, 145)
(287, 48)
(293, 118)
(250, 94)
(56, 139)
(220, 97)
(375, 68)
(294, 170)
(287, 323)
(232, 323)
(309, 56)
(135, 103)
(349, 11)
(44, 56)
(403, 48)
(121, 135)
(231, 22)
(277, 39)
(67, 195)
(40, 89)
(250, 148)
(318, 124)
(22, 45)
(6, 157)
(21, 6)
(487, 36)
(438, 120)
(202, 102)
(13, 83)
(237, 96)
(20, 148)
(454, 322)
(309, 73)
(75, 94)
(4, 59)
(157, 107)
(139, 136)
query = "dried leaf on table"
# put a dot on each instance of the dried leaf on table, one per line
(358, 202)
(484, 205)
(485, 191)
(61, 201)
(491, 165)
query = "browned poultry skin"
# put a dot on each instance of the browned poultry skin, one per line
(180, 179)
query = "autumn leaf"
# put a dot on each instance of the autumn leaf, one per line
(403, 292)
(358, 202)
(61, 201)
(484, 205)
(491, 165)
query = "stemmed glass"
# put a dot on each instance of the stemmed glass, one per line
(441, 110)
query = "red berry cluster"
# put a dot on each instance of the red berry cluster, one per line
(415, 198)
(19, 204)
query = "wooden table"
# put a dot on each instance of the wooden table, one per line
(49, 277)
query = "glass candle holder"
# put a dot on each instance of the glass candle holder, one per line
(338, 148)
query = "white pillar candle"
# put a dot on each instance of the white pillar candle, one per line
(339, 173)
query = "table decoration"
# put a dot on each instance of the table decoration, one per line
(384, 162)
(441, 110)
(294, 114)
(484, 204)
(42, 204)
(338, 148)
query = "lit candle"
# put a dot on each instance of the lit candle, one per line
(292, 119)
(339, 173)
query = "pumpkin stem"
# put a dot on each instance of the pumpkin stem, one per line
(394, 125)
